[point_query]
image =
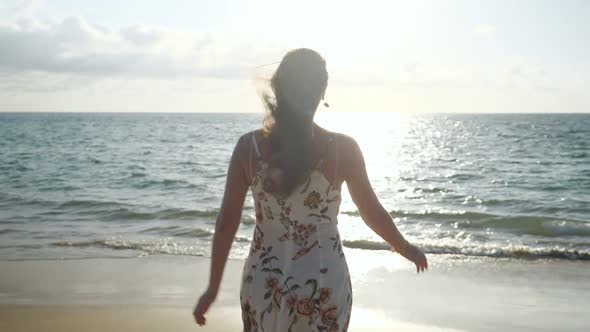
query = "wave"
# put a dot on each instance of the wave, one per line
(165, 183)
(87, 204)
(154, 247)
(516, 224)
(187, 214)
(137, 175)
(170, 214)
(120, 211)
(116, 211)
(484, 251)
(430, 214)
(180, 231)
(171, 247)
(530, 225)
(57, 187)
(431, 190)
(188, 232)
(167, 214)
(14, 200)
(9, 230)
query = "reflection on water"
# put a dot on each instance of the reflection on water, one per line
(489, 184)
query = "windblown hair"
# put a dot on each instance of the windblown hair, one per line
(297, 87)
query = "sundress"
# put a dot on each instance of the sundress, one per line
(295, 277)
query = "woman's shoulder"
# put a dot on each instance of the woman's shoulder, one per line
(257, 134)
(345, 142)
(254, 137)
(244, 150)
(247, 141)
(248, 136)
(348, 151)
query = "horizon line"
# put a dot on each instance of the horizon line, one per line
(263, 112)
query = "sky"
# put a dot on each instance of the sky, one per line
(204, 56)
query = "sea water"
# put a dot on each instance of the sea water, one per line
(79, 185)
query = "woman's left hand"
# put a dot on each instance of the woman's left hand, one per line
(416, 256)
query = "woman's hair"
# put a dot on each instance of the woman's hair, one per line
(297, 86)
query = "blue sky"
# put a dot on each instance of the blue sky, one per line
(200, 56)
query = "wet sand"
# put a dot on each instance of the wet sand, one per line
(157, 293)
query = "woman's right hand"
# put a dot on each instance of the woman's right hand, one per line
(416, 256)
(203, 305)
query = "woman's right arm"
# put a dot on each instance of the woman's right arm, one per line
(371, 211)
(228, 221)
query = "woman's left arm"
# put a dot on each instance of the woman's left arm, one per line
(228, 221)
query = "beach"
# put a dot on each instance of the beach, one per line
(106, 221)
(157, 293)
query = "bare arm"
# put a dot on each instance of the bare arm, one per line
(230, 214)
(370, 209)
(228, 221)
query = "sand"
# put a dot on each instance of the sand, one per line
(136, 318)
(157, 293)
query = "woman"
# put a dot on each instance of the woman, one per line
(295, 277)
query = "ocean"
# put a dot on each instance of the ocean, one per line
(80, 185)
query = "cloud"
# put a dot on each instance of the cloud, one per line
(73, 64)
(74, 46)
(484, 31)
(19, 6)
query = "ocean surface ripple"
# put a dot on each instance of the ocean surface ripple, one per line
(126, 185)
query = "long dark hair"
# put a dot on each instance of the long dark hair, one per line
(298, 85)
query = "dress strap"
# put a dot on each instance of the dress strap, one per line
(335, 158)
(256, 149)
(319, 163)
(253, 164)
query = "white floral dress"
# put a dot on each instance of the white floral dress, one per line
(295, 277)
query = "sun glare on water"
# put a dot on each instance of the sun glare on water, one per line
(379, 134)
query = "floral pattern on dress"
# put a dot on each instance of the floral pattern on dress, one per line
(296, 278)
(313, 200)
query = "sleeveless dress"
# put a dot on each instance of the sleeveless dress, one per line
(295, 278)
